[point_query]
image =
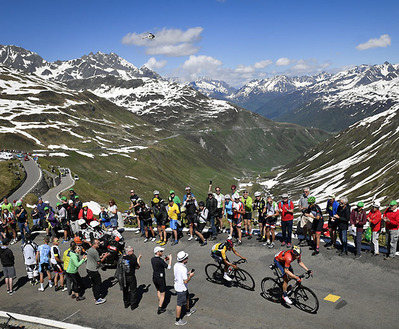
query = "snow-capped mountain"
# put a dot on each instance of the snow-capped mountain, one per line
(213, 88)
(87, 66)
(361, 163)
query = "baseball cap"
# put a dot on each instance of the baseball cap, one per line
(188, 188)
(158, 248)
(131, 191)
(284, 195)
(171, 192)
(393, 203)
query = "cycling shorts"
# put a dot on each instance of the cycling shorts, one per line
(219, 259)
(230, 217)
(159, 284)
(44, 267)
(147, 221)
(219, 212)
(57, 268)
(237, 221)
(248, 216)
(271, 222)
(199, 227)
(281, 267)
(317, 225)
(262, 220)
(191, 219)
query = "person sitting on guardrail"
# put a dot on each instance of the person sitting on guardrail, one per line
(52, 222)
(9, 225)
(63, 219)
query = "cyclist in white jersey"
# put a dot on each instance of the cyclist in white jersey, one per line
(29, 249)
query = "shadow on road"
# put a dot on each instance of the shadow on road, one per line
(141, 290)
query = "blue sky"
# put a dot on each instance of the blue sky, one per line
(231, 40)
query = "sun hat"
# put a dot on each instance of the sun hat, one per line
(181, 255)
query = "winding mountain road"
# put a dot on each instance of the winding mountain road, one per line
(52, 194)
(33, 176)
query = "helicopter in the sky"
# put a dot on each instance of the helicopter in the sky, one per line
(148, 35)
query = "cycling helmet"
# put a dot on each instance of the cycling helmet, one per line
(77, 240)
(201, 203)
(156, 192)
(229, 243)
(296, 250)
(227, 197)
(155, 200)
(311, 199)
(81, 222)
(236, 196)
(257, 194)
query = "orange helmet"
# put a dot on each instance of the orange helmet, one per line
(77, 240)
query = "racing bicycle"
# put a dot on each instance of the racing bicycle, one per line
(241, 278)
(303, 297)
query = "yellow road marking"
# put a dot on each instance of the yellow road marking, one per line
(332, 298)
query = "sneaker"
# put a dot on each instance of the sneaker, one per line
(191, 312)
(79, 298)
(316, 252)
(197, 238)
(358, 256)
(13, 241)
(162, 243)
(203, 243)
(145, 240)
(246, 233)
(287, 300)
(159, 241)
(50, 284)
(271, 246)
(229, 237)
(175, 242)
(226, 277)
(56, 288)
(11, 292)
(283, 244)
(64, 241)
(190, 238)
(153, 239)
(239, 242)
(137, 232)
(100, 301)
(250, 236)
(64, 288)
(388, 258)
(41, 289)
(331, 247)
(161, 310)
(181, 322)
(267, 242)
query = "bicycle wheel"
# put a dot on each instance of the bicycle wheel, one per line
(244, 279)
(271, 290)
(214, 273)
(306, 300)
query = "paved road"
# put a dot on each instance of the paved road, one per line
(34, 174)
(52, 194)
(368, 289)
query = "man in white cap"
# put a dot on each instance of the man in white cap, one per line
(182, 278)
(158, 276)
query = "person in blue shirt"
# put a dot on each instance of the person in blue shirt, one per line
(331, 209)
(228, 211)
(43, 259)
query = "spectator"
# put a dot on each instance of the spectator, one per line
(130, 263)
(374, 216)
(247, 201)
(113, 213)
(29, 249)
(200, 222)
(6, 205)
(144, 213)
(73, 274)
(22, 219)
(72, 195)
(271, 213)
(52, 222)
(315, 213)
(56, 263)
(86, 214)
(42, 213)
(43, 259)
(73, 214)
(9, 224)
(161, 216)
(228, 211)
(133, 201)
(191, 206)
(158, 277)
(211, 205)
(104, 218)
(331, 208)
(173, 211)
(66, 258)
(343, 217)
(219, 210)
(35, 218)
(286, 209)
(358, 219)
(93, 263)
(306, 222)
(63, 219)
(259, 205)
(391, 219)
(238, 212)
(188, 193)
(8, 262)
(182, 278)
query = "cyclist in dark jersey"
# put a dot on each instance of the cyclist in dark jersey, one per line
(283, 261)
(219, 254)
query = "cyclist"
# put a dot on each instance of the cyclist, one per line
(283, 262)
(219, 254)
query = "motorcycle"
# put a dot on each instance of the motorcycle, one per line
(113, 243)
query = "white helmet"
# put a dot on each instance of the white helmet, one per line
(94, 224)
(227, 197)
(236, 196)
(81, 221)
(257, 194)
(181, 255)
(156, 192)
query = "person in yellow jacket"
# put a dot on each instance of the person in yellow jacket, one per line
(66, 257)
(173, 211)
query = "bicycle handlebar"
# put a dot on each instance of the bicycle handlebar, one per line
(240, 261)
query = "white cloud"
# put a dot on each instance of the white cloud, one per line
(283, 61)
(263, 64)
(153, 64)
(307, 66)
(197, 66)
(168, 42)
(383, 41)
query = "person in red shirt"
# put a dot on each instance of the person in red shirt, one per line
(286, 209)
(283, 262)
(374, 217)
(391, 219)
(86, 214)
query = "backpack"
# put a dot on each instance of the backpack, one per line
(289, 202)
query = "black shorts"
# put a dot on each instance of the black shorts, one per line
(262, 219)
(333, 224)
(44, 267)
(219, 259)
(161, 222)
(219, 212)
(199, 227)
(57, 268)
(271, 222)
(191, 219)
(317, 225)
(160, 284)
(64, 225)
(147, 221)
(13, 225)
(248, 216)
